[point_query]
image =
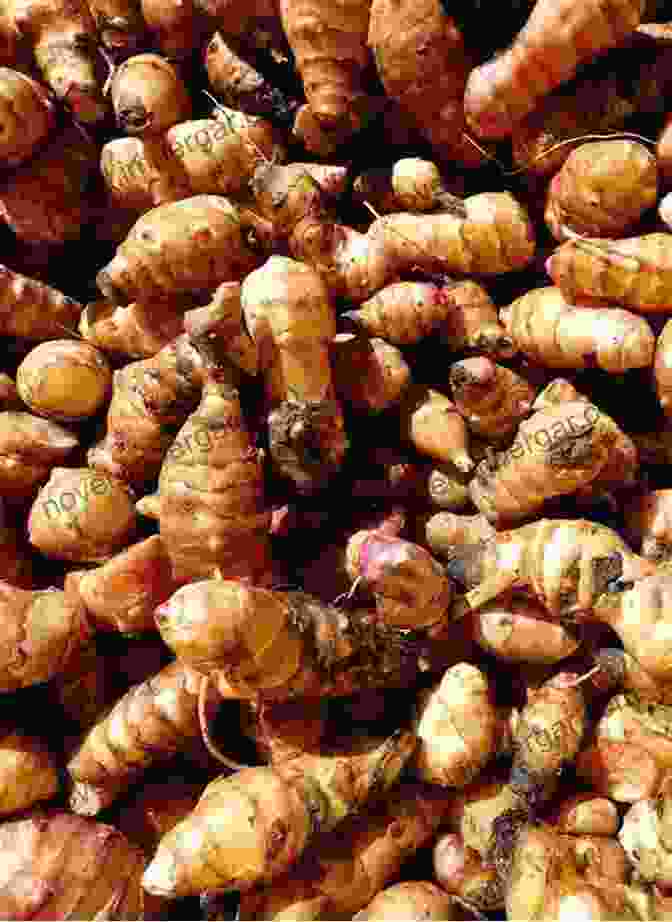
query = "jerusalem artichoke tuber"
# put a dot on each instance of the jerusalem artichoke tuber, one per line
(492, 398)
(27, 116)
(148, 95)
(29, 448)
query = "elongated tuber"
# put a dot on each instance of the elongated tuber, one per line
(278, 645)
(553, 332)
(183, 246)
(457, 726)
(433, 424)
(137, 331)
(461, 871)
(555, 41)
(404, 313)
(152, 721)
(29, 449)
(210, 501)
(517, 631)
(292, 801)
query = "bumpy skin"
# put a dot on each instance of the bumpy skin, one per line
(134, 332)
(203, 156)
(27, 115)
(210, 497)
(491, 235)
(278, 645)
(82, 515)
(431, 421)
(69, 867)
(183, 246)
(409, 586)
(45, 200)
(602, 189)
(492, 398)
(423, 65)
(411, 899)
(585, 814)
(635, 272)
(352, 864)
(518, 631)
(148, 96)
(567, 565)
(577, 443)
(152, 721)
(122, 594)
(251, 826)
(457, 726)
(150, 400)
(403, 313)
(32, 309)
(410, 184)
(329, 45)
(291, 318)
(63, 37)
(555, 41)
(446, 530)
(648, 519)
(43, 629)
(472, 322)
(27, 773)
(553, 332)
(29, 447)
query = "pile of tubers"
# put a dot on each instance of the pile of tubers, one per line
(335, 505)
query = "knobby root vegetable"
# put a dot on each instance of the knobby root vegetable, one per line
(136, 332)
(278, 645)
(585, 814)
(476, 812)
(29, 448)
(184, 246)
(492, 398)
(351, 865)
(432, 423)
(249, 827)
(370, 375)
(423, 64)
(514, 631)
(151, 399)
(634, 272)
(457, 726)
(27, 113)
(64, 39)
(123, 593)
(446, 530)
(404, 313)
(70, 867)
(411, 899)
(148, 96)
(461, 871)
(64, 380)
(624, 772)
(551, 456)
(408, 585)
(152, 721)
(329, 46)
(555, 333)
(43, 630)
(222, 320)
(645, 836)
(547, 733)
(291, 318)
(472, 322)
(410, 184)
(82, 515)
(602, 189)
(555, 41)
(646, 520)
(203, 156)
(46, 200)
(28, 774)
(210, 496)
(566, 565)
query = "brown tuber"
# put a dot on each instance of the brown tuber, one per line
(29, 448)
(148, 95)
(64, 380)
